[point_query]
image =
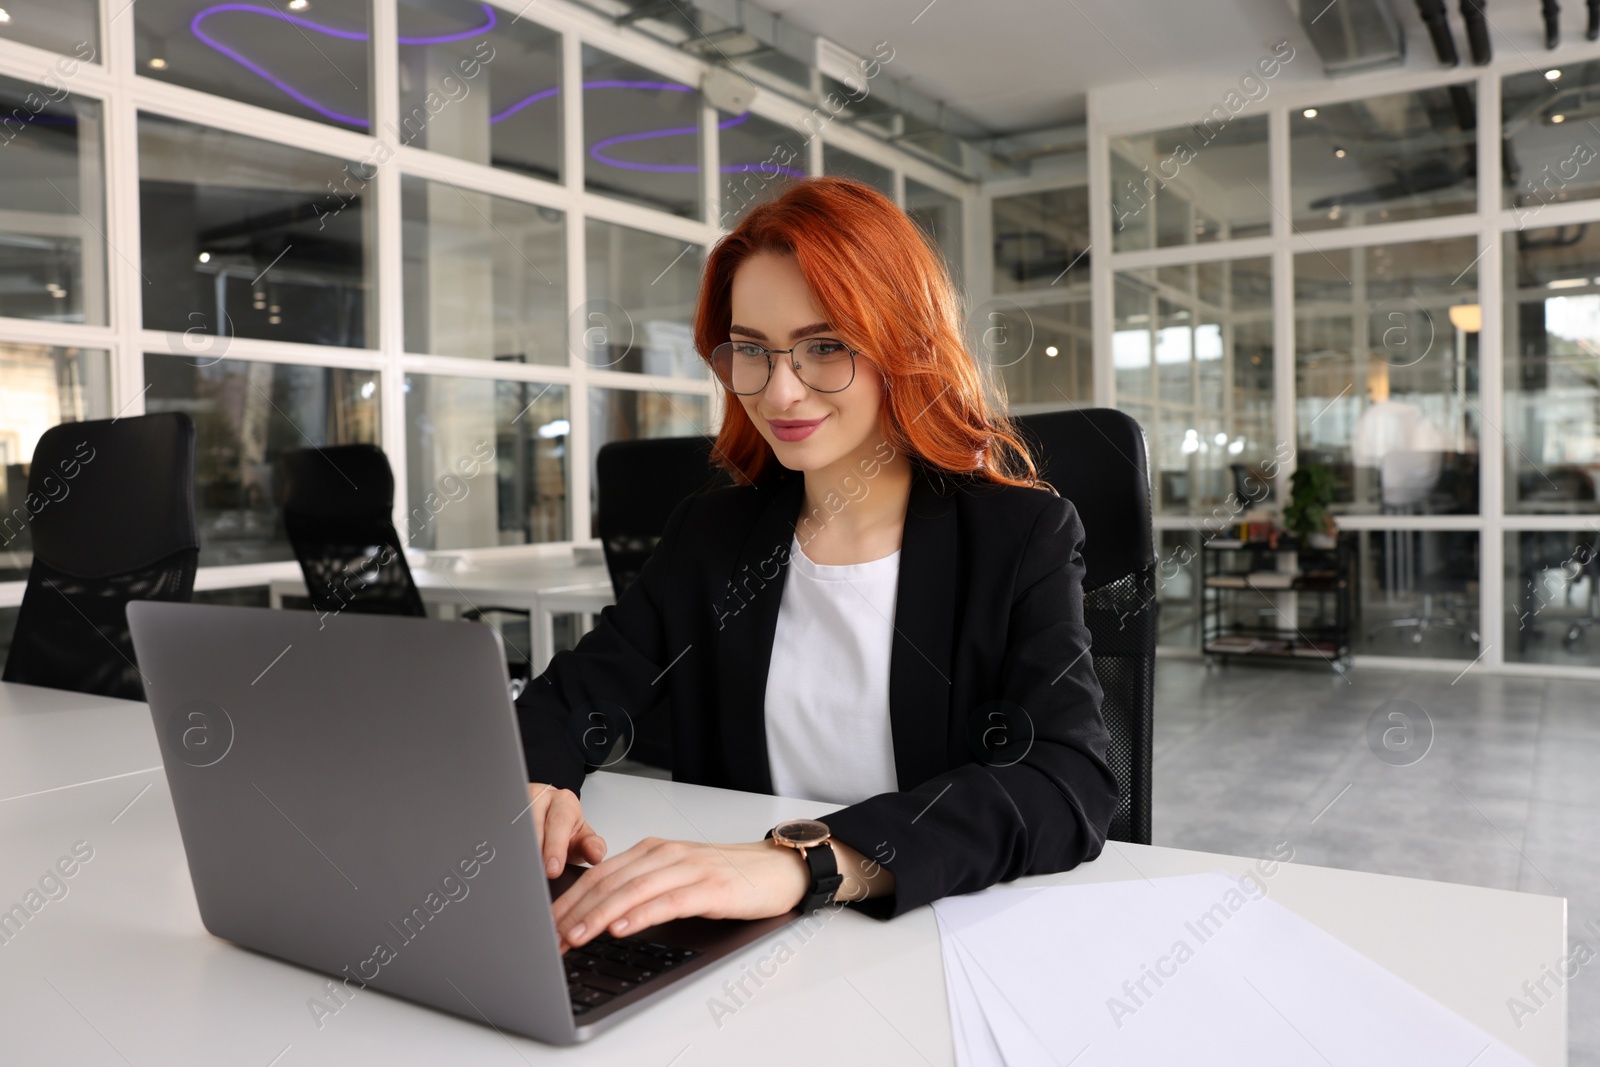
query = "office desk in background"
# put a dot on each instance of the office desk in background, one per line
(543, 587)
(121, 971)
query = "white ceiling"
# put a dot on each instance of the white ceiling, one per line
(1023, 64)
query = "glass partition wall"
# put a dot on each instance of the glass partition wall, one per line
(1372, 304)
(466, 227)
(470, 233)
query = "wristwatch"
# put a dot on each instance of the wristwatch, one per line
(810, 838)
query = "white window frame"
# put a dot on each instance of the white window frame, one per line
(123, 93)
(1121, 112)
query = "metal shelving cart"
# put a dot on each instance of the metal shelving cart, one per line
(1232, 567)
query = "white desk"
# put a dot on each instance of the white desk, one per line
(120, 971)
(543, 587)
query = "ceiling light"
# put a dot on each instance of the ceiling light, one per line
(1567, 283)
(1552, 75)
(1310, 112)
(299, 5)
(1558, 118)
(5, 16)
(157, 63)
(1338, 153)
(1052, 351)
(205, 257)
(1467, 318)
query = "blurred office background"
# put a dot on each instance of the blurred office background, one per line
(438, 225)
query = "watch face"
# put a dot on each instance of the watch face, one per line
(802, 832)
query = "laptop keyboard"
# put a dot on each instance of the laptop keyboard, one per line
(608, 966)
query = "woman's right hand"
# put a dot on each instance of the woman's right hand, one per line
(564, 835)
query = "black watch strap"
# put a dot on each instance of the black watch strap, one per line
(825, 876)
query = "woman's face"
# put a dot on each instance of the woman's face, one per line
(808, 431)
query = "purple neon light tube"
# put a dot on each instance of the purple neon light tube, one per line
(596, 151)
(328, 31)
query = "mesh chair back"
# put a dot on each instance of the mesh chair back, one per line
(638, 484)
(110, 510)
(338, 514)
(1097, 459)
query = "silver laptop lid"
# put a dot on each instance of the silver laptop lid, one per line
(352, 797)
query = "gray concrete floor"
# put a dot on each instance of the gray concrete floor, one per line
(1507, 794)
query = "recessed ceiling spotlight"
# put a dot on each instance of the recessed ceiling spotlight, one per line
(1310, 112)
(1052, 350)
(1552, 75)
(205, 257)
(5, 16)
(299, 5)
(157, 63)
(1338, 153)
(1558, 118)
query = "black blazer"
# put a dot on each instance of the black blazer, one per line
(999, 747)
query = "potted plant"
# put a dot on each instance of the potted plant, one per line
(1307, 515)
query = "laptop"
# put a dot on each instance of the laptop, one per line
(353, 798)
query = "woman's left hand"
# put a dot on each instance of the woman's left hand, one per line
(658, 880)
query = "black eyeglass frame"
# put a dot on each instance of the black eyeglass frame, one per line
(770, 352)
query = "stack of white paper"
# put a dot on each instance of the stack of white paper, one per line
(1201, 969)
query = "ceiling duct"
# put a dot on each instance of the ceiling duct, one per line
(783, 58)
(1552, 23)
(1477, 31)
(1352, 35)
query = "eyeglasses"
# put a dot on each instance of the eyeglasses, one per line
(822, 363)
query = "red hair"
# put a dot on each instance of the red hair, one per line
(880, 282)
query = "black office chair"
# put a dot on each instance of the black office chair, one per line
(1414, 482)
(338, 513)
(1549, 564)
(110, 507)
(1097, 459)
(638, 483)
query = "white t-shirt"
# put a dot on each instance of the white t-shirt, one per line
(827, 705)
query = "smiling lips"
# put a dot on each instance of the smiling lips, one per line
(793, 429)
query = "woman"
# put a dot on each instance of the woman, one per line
(876, 483)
